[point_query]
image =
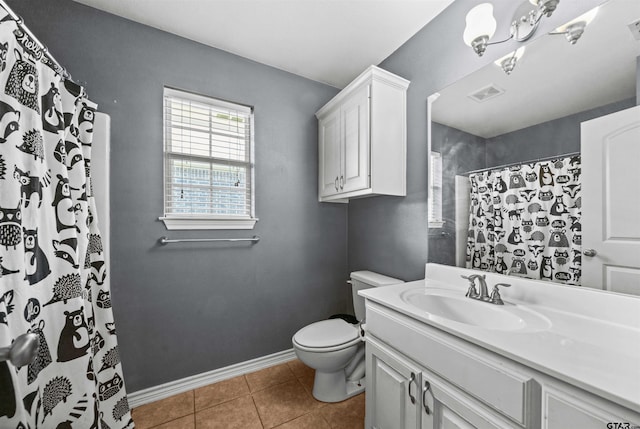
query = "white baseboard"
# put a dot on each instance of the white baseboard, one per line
(162, 391)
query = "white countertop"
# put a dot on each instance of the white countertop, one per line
(592, 340)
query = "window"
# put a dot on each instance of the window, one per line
(208, 163)
(435, 190)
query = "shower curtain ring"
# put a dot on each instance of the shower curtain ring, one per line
(19, 20)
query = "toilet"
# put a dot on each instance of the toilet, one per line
(335, 348)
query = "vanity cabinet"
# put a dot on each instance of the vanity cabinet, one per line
(428, 379)
(402, 394)
(362, 139)
(421, 377)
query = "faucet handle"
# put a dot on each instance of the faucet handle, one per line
(471, 292)
(495, 294)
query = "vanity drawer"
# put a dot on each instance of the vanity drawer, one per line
(495, 382)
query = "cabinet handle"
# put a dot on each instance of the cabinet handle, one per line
(427, 387)
(335, 183)
(412, 380)
(341, 182)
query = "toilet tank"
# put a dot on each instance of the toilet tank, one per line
(364, 280)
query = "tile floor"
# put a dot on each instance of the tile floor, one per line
(276, 397)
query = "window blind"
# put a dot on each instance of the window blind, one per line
(435, 191)
(208, 157)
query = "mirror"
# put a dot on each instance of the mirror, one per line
(491, 120)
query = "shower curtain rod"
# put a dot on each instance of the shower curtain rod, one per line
(499, 167)
(59, 69)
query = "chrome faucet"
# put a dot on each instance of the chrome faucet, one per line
(483, 294)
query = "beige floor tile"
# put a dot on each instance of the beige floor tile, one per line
(238, 413)
(307, 382)
(347, 414)
(284, 402)
(308, 421)
(303, 373)
(299, 369)
(269, 377)
(165, 410)
(187, 422)
(220, 392)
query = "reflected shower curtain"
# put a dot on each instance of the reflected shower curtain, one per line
(52, 280)
(525, 220)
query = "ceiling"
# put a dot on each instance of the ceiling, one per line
(553, 79)
(330, 41)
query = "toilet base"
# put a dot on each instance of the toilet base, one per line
(333, 386)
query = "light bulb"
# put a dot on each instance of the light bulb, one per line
(480, 22)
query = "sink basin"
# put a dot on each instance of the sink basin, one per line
(450, 306)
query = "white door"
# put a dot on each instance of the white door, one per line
(611, 202)
(329, 136)
(355, 124)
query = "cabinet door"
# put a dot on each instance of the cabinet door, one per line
(392, 390)
(445, 407)
(330, 159)
(355, 134)
(571, 408)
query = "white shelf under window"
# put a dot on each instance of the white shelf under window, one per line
(436, 224)
(185, 223)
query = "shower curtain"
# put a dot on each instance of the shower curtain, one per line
(52, 280)
(525, 220)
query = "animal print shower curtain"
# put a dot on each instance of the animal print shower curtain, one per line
(52, 280)
(525, 221)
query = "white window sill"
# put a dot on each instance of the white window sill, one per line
(173, 223)
(436, 224)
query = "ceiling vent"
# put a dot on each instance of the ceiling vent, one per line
(486, 93)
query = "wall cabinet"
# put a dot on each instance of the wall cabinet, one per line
(362, 139)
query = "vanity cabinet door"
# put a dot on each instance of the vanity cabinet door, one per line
(392, 389)
(565, 407)
(445, 407)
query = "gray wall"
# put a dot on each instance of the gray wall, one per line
(389, 234)
(185, 309)
(551, 138)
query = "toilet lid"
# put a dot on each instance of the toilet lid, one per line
(326, 333)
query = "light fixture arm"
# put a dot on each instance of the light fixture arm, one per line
(523, 25)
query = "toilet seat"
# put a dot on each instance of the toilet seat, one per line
(327, 335)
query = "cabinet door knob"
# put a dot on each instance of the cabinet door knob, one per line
(411, 381)
(427, 387)
(590, 252)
